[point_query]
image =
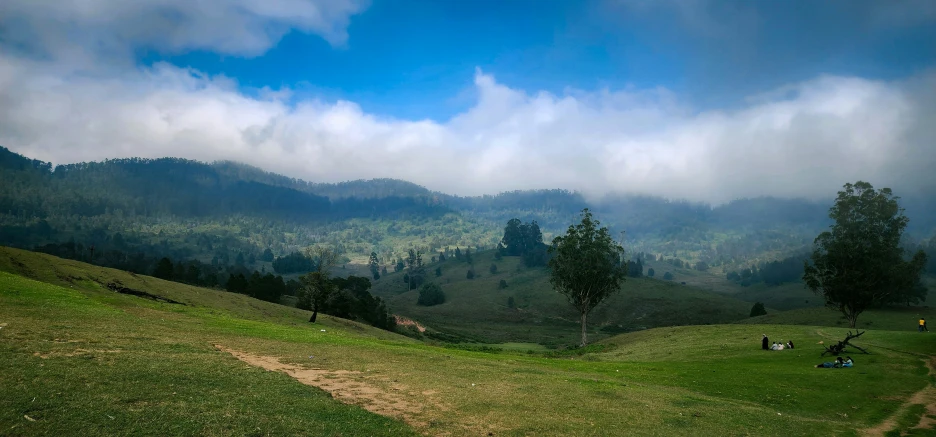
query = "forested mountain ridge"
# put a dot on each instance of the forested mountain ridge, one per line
(191, 209)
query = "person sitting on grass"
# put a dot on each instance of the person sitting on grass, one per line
(774, 347)
(789, 344)
(827, 365)
(780, 346)
(848, 362)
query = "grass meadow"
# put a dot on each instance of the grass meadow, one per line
(77, 358)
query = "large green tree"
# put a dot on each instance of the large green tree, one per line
(587, 266)
(315, 287)
(859, 263)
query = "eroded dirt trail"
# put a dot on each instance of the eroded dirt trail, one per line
(347, 386)
(925, 397)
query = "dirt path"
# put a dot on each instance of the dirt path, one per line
(349, 387)
(925, 397)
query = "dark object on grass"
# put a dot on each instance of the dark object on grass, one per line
(765, 343)
(758, 309)
(838, 349)
(116, 286)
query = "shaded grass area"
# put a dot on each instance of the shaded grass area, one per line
(111, 364)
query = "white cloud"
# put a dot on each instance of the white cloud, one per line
(86, 31)
(84, 100)
(805, 141)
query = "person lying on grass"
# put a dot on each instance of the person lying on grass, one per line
(838, 363)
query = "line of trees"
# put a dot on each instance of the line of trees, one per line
(348, 298)
(789, 269)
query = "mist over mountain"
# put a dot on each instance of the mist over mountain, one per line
(362, 216)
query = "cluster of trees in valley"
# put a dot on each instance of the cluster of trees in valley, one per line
(347, 298)
(789, 269)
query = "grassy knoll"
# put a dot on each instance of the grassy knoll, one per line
(896, 318)
(78, 358)
(477, 309)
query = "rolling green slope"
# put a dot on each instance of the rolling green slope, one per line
(477, 309)
(79, 358)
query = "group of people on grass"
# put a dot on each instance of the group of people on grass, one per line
(765, 344)
(838, 363)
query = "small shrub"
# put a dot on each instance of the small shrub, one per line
(430, 294)
(758, 309)
(493, 268)
(470, 274)
(502, 284)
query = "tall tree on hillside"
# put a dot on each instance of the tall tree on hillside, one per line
(532, 236)
(314, 291)
(859, 263)
(513, 238)
(316, 288)
(163, 269)
(323, 259)
(416, 274)
(374, 266)
(586, 266)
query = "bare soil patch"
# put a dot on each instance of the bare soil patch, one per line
(925, 397)
(347, 386)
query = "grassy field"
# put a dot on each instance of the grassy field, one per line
(78, 358)
(477, 309)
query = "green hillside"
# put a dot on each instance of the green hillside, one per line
(218, 212)
(478, 310)
(79, 358)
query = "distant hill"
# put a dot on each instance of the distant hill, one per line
(225, 210)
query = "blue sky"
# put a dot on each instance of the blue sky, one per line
(707, 100)
(416, 59)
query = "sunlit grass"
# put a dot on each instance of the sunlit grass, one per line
(82, 359)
